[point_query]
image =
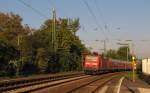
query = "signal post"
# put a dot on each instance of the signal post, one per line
(133, 68)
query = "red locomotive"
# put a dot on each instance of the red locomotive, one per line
(95, 64)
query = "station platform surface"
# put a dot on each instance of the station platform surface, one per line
(125, 85)
(138, 86)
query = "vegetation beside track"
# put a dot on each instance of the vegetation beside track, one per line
(130, 75)
(138, 75)
(28, 51)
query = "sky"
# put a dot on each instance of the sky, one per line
(111, 20)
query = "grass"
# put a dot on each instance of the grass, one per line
(130, 75)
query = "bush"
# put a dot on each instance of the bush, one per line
(3, 74)
(11, 69)
(29, 68)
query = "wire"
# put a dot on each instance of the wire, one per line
(52, 3)
(35, 10)
(100, 14)
(94, 17)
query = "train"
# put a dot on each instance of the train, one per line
(97, 64)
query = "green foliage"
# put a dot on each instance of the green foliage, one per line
(7, 53)
(11, 26)
(41, 59)
(112, 54)
(66, 43)
(65, 62)
(27, 53)
(120, 54)
(11, 69)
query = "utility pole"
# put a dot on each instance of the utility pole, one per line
(104, 46)
(54, 47)
(19, 63)
(54, 30)
(127, 55)
(104, 41)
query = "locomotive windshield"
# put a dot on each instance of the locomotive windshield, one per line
(91, 58)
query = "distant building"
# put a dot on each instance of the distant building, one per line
(146, 65)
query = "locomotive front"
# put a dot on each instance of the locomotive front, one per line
(92, 64)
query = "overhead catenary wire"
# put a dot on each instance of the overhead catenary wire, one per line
(92, 13)
(94, 17)
(100, 14)
(52, 3)
(106, 24)
(33, 9)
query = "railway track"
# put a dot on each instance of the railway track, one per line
(46, 85)
(14, 84)
(83, 85)
(101, 81)
(90, 81)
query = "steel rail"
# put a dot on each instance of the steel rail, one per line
(5, 86)
(45, 85)
(105, 81)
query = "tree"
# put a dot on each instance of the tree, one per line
(120, 54)
(74, 25)
(7, 52)
(11, 69)
(17, 35)
(42, 60)
(112, 54)
(11, 26)
(66, 41)
(31, 50)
